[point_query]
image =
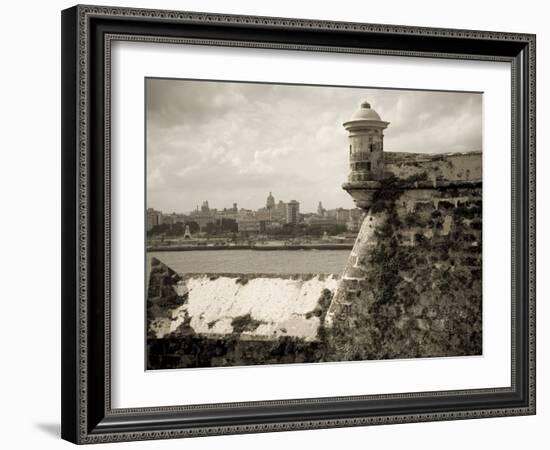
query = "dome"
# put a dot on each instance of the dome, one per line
(365, 113)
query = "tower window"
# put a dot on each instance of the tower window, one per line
(350, 149)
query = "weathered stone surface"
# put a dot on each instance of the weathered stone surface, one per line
(164, 294)
(440, 167)
(412, 285)
(199, 351)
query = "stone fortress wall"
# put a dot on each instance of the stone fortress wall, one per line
(412, 284)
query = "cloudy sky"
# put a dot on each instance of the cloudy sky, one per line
(234, 142)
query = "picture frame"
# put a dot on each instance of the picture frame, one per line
(87, 35)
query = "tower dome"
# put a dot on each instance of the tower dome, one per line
(365, 112)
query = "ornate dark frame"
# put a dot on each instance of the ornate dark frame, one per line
(87, 33)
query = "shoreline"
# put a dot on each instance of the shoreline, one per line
(185, 248)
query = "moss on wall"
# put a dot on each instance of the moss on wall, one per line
(198, 351)
(418, 297)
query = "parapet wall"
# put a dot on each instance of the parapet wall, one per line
(207, 320)
(441, 167)
(255, 306)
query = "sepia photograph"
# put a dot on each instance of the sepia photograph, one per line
(310, 224)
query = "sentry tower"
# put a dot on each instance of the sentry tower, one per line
(366, 144)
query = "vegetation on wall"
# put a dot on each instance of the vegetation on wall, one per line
(420, 300)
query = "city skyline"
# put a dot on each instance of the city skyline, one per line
(246, 208)
(272, 216)
(225, 140)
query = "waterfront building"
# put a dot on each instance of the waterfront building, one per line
(244, 213)
(204, 216)
(273, 225)
(173, 218)
(265, 214)
(342, 215)
(292, 212)
(227, 213)
(279, 213)
(181, 218)
(321, 221)
(248, 224)
(169, 219)
(153, 218)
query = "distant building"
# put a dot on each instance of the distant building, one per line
(321, 221)
(271, 217)
(273, 225)
(292, 210)
(248, 224)
(270, 202)
(154, 218)
(204, 216)
(169, 219)
(228, 213)
(244, 213)
(279, 213)
(174, 218)
(265, 214)
(320, 210)
(342, 215)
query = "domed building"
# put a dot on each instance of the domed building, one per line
(366, 144)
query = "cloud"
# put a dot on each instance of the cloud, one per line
(231, 142)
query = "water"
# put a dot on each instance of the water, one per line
(254, 261)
